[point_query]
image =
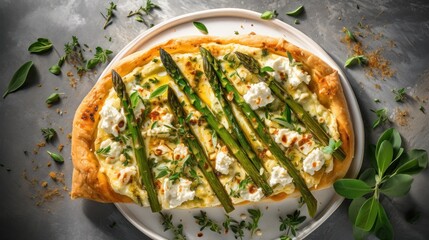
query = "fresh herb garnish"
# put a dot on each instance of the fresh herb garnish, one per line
(237, 228)
(333, 145)
(163, 171)
(243, 183)
(268, 15)
(159, 91)
(349, 34)
(297, 21)
(291, 222)
(55, 69)
(296, 12)
(144, 11)
(390, 175)
(104, 150)
(360, 59)
(56, 157)
(266, 69)
(376, 100)
(40, 46)
(381, 117)
(101, 55)
(48, 134)
(19, 78)
(109, 15)
(201, 27)
(292, 61)
(167, 222)
(400, 94)
(255, 215)
(53, 98)
(204, 222)
(422, 109)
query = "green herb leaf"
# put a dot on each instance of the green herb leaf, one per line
(109, 15)
(367, 214)
(18, 78)
(204, 222)
(134, 97)
(381, 117)
(40, 46)
(368, 176)
(267, 69)
(56, 157)
(167, 222)
(255, 215)
(400, 94)
(397, 185)
(351, 188)
(354, 207)
(159, 91)
(53, 98)
(333, 145)
(101, 55)
(349, 34)
(200, 26)
(48, 134)
(162, 173)
(383, 227)
(297, 21)
(268, 15)
(384, 156)
(392, 135)
(291, 222)
(55, 69)
(296, 12)
(422, 109)
(361, 60)
(413, 162)
(103, 151)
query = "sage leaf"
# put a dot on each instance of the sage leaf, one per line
(397, 185)
(383, 227)
(268, 15)
(384, 156)
(361, 60)
(40, 46)
(351, 188)
(368, 176)
(413, 162)
(296, 12)
(159, 91)
(55, 69)
(200, 26)
(354, 207)
(53, 98)
(367, 214)
(56, 157)
(18, 78)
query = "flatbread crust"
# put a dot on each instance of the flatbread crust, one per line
(88, 182)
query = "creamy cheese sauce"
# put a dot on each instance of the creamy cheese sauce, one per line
(179, 182)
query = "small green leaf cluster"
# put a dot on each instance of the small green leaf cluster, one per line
(167, 222)
(143, 12)
(290, 223)
(390, 175)
(101, 56)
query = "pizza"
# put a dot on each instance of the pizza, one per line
(266, 131)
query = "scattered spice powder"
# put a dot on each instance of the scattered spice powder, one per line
(401, 117)
(60, 147)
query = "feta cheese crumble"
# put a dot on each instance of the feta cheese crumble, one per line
(252, 197)
(282, 68)
(177, 193)
(280, 176)
(125, 175)
(314, 161)
(112, 121)
(223, 161)
(259, 95)
(180, 152)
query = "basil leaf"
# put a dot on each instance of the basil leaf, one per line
(159, 91)
(383, 227)
(354, 207)
(92, 63)
(351, 188)
(367, 214)
(413, 162)
(55, 69)
(200, 26)
(53, 98)
(268, 15)
(397, 186)
(267, 69)
(361, 60)
(384, 156)
(100, 56)
(368, 176)
(56, 157)
(18, 78)
(134, 97)
(296, 12)
(42, 45)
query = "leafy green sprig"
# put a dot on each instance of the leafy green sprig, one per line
(381, 117)
(48, 134)
(144, 11)
(204, 222)
(390, 175)
(290, 223)
(109, 15)
(101, 56)
(400, 94)
(167, 222)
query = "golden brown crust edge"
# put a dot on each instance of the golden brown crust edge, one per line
(89, 183)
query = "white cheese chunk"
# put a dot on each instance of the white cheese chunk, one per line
(282, 67)
(115, 148)
(177, 193)
(253, 197)
(112, 121)
(223, 161)
(314, 161)
(259, 95)
(286, 137)
(125, 175)
(180, 152)
(280, 176)
(162, 118)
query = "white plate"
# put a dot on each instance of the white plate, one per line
(225, 22)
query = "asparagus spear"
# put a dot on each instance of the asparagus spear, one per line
(236, 130)
(201, 159)
(138, 143)
(258, 125)
(253, 66)
(175, 73)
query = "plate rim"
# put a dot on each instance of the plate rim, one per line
(356, 116)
